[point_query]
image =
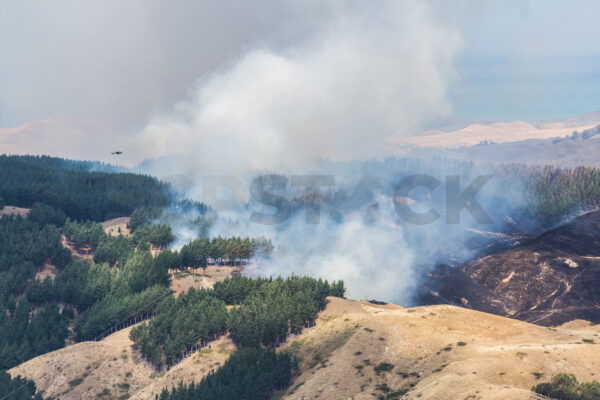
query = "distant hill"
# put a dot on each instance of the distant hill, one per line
(59, 135)
(565, 143)
(498, 132)
(561, 153)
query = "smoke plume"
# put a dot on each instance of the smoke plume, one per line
(362, 75)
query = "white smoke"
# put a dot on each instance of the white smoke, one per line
(363, 75)
(373, 259)
(359, 78)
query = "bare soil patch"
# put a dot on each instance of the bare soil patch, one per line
(46, 270)
(182, 281)
(117, 226)
(87, 255)
(11, 210)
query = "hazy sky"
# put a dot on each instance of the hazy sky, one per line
(122, 63)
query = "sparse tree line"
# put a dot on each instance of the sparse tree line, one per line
(220, 251)
(197, 254)
(203, 251)
(269, 310)
(91, 236)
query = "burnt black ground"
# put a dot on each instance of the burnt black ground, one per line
(548, 280)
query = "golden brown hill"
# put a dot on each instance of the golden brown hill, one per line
(111, 369)
(357, 350)
(434, 352)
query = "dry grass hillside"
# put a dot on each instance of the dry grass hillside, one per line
(112, 369)
(116, 226)
(364, 351)
(497, 132)
(182, 281)
(357, 350)
(11, 210)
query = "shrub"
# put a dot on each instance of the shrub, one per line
(383, 367)
(565, 387)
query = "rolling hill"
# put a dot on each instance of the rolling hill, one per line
(357, 350)
(549, 279)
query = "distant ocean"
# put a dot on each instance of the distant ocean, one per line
(526, 90)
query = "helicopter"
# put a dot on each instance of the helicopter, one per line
(117, 152)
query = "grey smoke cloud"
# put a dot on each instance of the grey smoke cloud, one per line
(360, 75)
(117, 64)
(358, 78)
(374, 260)
(257, 86)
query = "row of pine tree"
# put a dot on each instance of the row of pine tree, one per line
(269, 312)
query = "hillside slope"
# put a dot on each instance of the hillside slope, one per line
(436, 352)
(357, 350)
(549, 280)
(497, 132)
(111, 369)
